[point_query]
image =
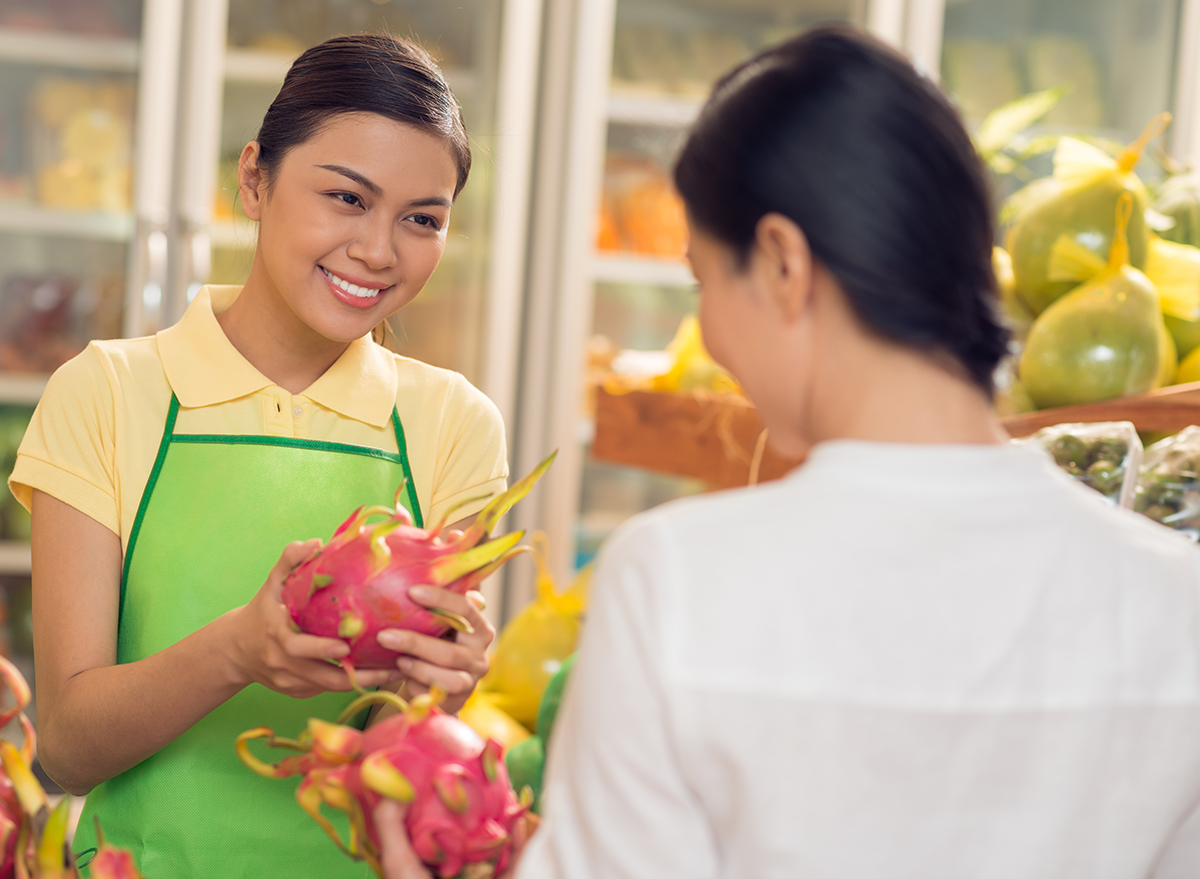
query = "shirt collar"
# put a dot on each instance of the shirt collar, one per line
(204, 369)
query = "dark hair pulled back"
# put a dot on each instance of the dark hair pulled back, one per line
(363, 73)
(839, 133)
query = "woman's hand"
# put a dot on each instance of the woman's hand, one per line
(401, 862)
(269, 651)
(455, 666)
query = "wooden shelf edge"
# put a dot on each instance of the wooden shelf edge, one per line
(711, 437)
(1168, 410)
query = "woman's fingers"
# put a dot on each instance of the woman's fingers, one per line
(435, 650)
(453, 682)
(293, 554)
(469, 609)
(397, 856)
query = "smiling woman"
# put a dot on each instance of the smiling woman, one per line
(166, 475)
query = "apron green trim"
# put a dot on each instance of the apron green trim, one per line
(399, 457)
(402, 446)
(172, 414)
(291, 443)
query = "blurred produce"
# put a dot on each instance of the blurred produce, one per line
(531, 648)
(689, 368)
(481, 714)
(1070, 218)
(1102, 340)
(527, 761)
(14, 520)
(34, 840)
(1013, 308)
(526, 764)
(1178, 198)
(1011, 398)
(82, 130)
(1189, 368)
(1103, 455)
(693, 368)
(640, 210)
(46, 320)
(1168, 487)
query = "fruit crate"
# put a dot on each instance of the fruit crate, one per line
(714, 437)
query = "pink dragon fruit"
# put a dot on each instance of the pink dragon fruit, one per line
(17, 783)
(357, 584)
(462, 812)
(111, 862)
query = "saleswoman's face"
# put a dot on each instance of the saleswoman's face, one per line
(353, 222)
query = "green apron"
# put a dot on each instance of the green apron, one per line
(214, 517)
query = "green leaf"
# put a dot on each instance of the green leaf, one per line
(1004, 123)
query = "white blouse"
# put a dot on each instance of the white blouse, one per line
(900, 661)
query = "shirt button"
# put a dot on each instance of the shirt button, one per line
(297, 412)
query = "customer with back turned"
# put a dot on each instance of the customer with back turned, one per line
(926, 653)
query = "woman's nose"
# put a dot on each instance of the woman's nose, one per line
(375, 244)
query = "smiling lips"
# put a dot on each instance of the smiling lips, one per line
(359, 292)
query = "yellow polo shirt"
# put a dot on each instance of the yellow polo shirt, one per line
(95, 434)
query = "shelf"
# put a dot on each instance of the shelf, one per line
(710, 437)
(665, 111)
(15, 557)
(630, 268)
(68, 50)
(37, 220)
(1169, 410)
(22, 389)
(260, 67)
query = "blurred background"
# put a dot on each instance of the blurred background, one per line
(121, 122)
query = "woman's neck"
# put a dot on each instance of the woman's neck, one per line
(889, 393)
(264, 330)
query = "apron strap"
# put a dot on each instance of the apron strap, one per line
(402, 447)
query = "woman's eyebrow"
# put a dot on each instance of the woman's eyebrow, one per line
(362, 181)
(431, 201)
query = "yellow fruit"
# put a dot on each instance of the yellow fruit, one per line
(1105, 339)
(693, 368)
(1189, 369)
(1186, 334)
(534, 644)
(481, 714)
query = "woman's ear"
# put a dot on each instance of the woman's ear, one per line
(251, 181)
(782, 261)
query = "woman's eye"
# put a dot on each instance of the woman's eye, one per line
(426, 220)
(348, 198)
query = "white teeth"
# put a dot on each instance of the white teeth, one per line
(352, 289)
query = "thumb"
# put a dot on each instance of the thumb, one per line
(397, 856)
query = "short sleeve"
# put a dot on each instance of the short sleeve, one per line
(69, 449)
(472, 457)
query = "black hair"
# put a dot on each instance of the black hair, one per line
(839, 133)
(363, 73)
